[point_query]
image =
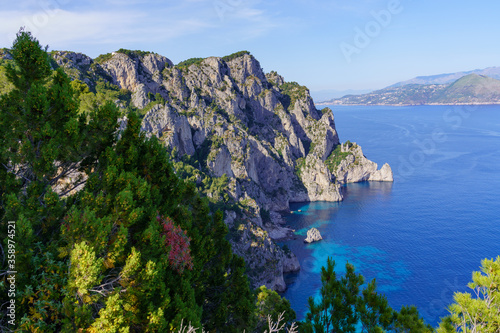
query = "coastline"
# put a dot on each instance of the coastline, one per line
(401, 104)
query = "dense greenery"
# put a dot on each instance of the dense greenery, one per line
(103, 58)
(235, 55)
(197, 61)
(134, 53)
(130, 53)
(192, 61)
(105, 92)
(5, 84)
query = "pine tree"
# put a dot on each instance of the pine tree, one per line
(42, 141)
(336, 310)
(374, 310)
(269, 303)
(482, 312)
(344, 306)
(408, 320)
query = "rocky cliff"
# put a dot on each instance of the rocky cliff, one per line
(247, 138)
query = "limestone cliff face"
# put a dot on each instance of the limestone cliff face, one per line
(261, 135)
(139, 74)
(262, 129)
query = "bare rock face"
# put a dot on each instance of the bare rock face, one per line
(290, 263)
(141, 74)
(170, 127)
(313, 235)
(382, 175)
(265, 260)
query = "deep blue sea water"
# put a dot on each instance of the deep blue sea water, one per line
(422, 236)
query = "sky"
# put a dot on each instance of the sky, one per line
(324, 45)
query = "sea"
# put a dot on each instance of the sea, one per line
(423, 235)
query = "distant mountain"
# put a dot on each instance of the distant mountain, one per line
(493, 72)
(469, 89)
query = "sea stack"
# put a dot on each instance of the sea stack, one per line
(313, 235)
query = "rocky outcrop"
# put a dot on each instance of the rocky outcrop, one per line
(313, 235)
(266, 261)
(247, 139)
(355, 167)
(141, 74)
(382, 175)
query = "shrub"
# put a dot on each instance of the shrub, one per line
(235, 55)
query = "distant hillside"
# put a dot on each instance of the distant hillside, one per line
(472, 89)
(493, 72)
(469, 89)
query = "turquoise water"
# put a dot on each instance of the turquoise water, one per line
(423, 235)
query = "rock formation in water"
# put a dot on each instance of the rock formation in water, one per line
(246, 138)
(313, 235)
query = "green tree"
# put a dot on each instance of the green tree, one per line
(269, 303)
(374, 311)
(408, 320)
(336, 309)
(479, 312)
(345, 307)
(42, 142)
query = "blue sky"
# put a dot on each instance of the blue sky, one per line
(335, 44)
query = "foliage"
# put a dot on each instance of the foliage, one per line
(105, 93)
(271, 306)
(235, 55)
(480, 311)
(43, 140)
(177, 242)
(337, 156)
(102, 58)
(133, 53)
(155, 99)
(79, 88)
(408, 320)
(336, 310)
(187, 63)
(300, 164)
(291, 92)
(5, 85)
(326, 111)
(130, 53)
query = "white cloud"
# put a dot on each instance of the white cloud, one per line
(61, 29)
(131, 22)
